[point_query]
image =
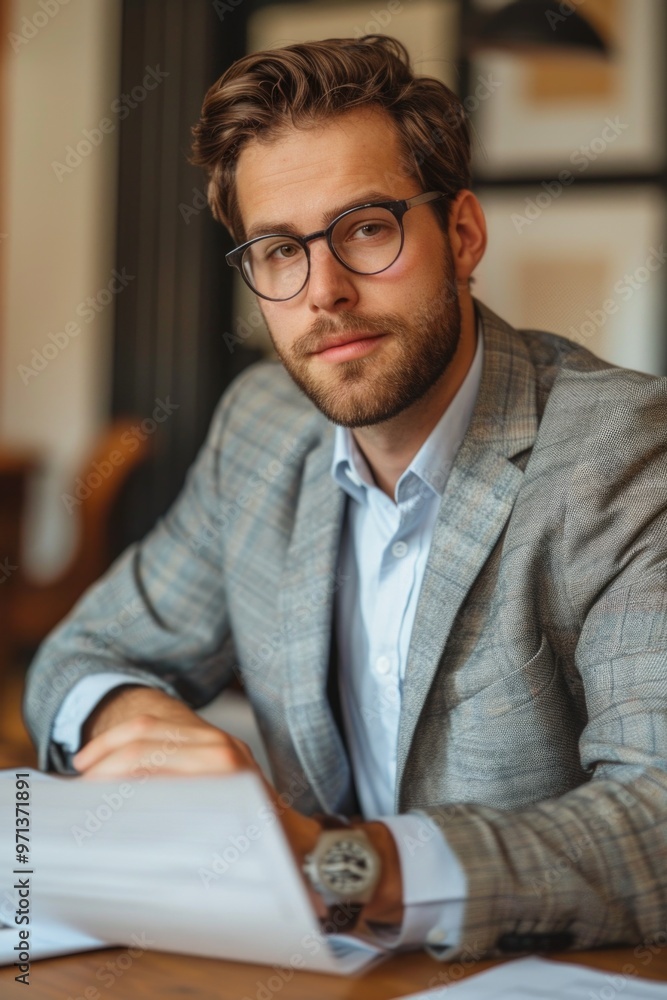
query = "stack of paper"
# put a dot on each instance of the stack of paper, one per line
(538, 979)
(194, 865)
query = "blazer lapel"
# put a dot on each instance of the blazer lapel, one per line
(477, 502)
(307, 588)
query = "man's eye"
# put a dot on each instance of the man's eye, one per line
(282, 251)
(369, 230)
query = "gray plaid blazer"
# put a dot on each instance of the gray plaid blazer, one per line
(533, 725)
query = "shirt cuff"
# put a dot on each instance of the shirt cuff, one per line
(79, 703)
(434, 886)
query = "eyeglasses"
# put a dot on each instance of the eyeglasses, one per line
(366, 240)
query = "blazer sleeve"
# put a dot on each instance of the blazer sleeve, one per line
(589, 868)
(159, 614)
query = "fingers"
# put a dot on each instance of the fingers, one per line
(198, 748)
(140, 728)
(139, 759)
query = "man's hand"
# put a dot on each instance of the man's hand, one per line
(129, 700)
(140, 731)
(136, 731)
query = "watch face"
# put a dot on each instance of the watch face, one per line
(346, 867)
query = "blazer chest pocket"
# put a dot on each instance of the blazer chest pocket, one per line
(480, 692)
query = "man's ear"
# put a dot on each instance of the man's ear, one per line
(467, 234)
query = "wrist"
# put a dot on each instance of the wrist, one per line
(386, 905)
(329, 866)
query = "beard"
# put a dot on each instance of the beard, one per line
(372, 389)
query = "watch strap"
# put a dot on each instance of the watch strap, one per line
(343, 916)
(332, 821)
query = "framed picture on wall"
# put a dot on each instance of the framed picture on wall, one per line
(587, 112)
(428, 28)
(589, 265)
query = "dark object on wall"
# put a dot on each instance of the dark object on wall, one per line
(15, 470)
(171, 318)
(534, 24)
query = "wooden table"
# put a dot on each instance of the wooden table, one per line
(113, 974)
(160, 976)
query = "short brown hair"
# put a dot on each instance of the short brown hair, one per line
(301, 85)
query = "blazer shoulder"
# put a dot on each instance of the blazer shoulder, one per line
(610, 420)
(262, 416)
(264, 393)
(578, 378)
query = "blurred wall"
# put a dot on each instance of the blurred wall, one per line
(62, 72)
(558, 266)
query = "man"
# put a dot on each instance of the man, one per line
(433, 548)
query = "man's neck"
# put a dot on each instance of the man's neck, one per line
(389, 447)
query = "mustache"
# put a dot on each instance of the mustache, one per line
(324, 327)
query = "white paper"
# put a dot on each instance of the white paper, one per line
(193, 865)
(539, 979)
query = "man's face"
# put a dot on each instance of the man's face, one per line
(402, 326)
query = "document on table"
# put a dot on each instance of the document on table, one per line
(539, 979)
(193, 865)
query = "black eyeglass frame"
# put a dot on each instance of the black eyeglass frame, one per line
(397, 208)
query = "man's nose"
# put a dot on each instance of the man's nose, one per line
(331, 285)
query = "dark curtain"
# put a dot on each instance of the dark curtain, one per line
(171, 316)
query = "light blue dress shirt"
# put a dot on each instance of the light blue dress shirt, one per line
(383, 554)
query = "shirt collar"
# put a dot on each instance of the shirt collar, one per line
(434, 459)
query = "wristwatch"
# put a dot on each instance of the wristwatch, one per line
(344, 868)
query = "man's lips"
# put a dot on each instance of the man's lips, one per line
(347, 345)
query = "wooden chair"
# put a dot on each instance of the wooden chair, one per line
(37, 607)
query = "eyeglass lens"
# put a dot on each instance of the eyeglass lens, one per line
(368, 240)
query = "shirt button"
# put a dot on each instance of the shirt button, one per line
(436, 936)
(383, 664)
(399, 549)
